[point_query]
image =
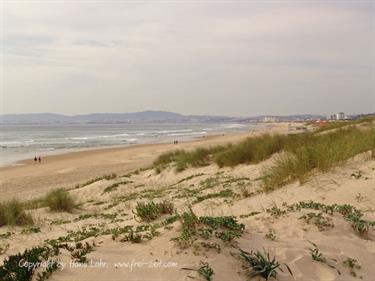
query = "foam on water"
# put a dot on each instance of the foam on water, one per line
(19, 142)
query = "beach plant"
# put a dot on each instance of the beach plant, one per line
(245, 192)
(353, 266)
(114, 186)
(276, 212)
(12, 213)
(60, 200)
(356, 174)
(104, 177)
(323, 223)
(271, 235)
(261, 264)
(150, 211)
(11, 270)
(317, 153)
(319, 257)
(221, 194)
(3, 248)
(81, 250)
(204, 270)
(147, 211)
(225, 228)
(302, 154)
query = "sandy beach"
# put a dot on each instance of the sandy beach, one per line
(283, 223)
(29, 180)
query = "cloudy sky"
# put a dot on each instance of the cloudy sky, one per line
(197, 57)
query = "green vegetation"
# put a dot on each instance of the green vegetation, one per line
(319, 257)
(204, 270)
(114, 186)
(261, 264)
(251, 150)
(81, 250)
(183, 159)
(353, 265)
(3, 248)
(323, 223)
(151, 211)
(341, 124)
(193, 228)
(12, 213)
(105, 177)
(60, 200)
(190, 177)
(12, 271)
(271, 235)
(221, 194)
(349, 213)
(318, 152)
(302, 154)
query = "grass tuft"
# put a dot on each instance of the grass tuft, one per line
(317, 152)
(60, 200)
(12, 213)
(262, 264)
(151, 211)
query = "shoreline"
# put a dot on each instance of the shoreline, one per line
(102, 149)
(29, 180)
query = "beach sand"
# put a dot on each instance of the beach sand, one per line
(29, 180)
(258, 211)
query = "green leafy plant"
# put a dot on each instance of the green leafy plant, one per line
(323, 223)
(204, 270)
(319, 257)
(151, 211)
(353, 265)
(271, 235)
(262, 264)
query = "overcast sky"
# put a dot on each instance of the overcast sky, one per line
(197, 57)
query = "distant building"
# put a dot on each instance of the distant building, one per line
(340, 116)
(271, 119)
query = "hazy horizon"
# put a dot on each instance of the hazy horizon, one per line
(240, 58)
(184, 114)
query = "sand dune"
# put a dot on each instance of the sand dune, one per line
(162, 258)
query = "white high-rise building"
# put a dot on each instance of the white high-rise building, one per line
(340, 116)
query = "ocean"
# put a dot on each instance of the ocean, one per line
(19, 142)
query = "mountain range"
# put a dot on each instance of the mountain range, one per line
(142, 117)
(135, 117)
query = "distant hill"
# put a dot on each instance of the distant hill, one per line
(135, 117)
(147, 117)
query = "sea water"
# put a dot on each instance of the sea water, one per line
(19, 142)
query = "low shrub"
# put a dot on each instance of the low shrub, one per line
(60, 200)
(151, 211)
(13, 213)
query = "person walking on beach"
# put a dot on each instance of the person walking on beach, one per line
(40, 160)
(35, 159)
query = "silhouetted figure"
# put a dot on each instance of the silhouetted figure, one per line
(40, 159)
(35, 159)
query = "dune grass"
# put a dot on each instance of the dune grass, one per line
(183, 159)
(60, 200)
(151, 211)
(302, 153)
(342, 124)
(317, 152)
(12, 213)
(251, 150)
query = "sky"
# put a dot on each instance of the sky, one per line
(234, 58)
